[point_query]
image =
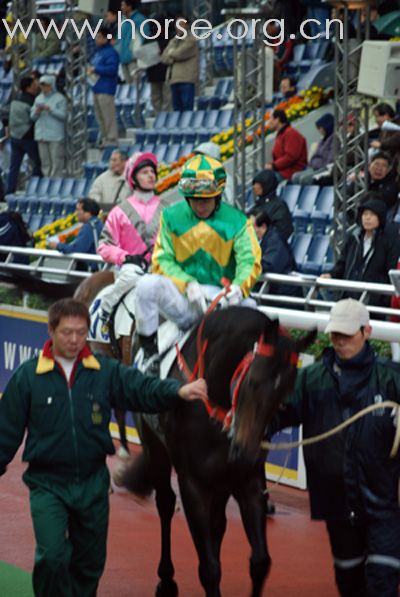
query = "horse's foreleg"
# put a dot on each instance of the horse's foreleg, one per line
(165, 501)
(252, 508)
(197, 505)
(120, 416)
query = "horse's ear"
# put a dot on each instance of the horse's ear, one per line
(271, 330)
(305, 341)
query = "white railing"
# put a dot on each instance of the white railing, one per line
(302, 313)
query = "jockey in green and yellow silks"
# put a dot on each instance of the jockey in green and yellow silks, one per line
(201, 241)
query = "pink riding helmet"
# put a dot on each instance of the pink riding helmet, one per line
(138, 160)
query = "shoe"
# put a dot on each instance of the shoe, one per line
(151, 364)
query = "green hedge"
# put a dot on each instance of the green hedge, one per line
(322, 341)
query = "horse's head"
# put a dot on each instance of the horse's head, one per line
(268, 376)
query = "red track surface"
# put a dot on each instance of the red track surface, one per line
(299, 548)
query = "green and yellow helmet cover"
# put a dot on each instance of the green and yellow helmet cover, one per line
(202, 177)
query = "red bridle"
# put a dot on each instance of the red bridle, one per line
(261, 349)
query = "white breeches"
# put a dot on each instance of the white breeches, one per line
(157, 294)
(127, 278)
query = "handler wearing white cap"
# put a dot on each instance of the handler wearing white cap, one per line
(352, 480)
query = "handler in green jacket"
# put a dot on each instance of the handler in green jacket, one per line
(63, 398)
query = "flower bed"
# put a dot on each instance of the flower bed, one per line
(65, 229)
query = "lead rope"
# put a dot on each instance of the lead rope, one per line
(318, 438)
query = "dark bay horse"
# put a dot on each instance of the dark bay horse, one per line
(249, 366)
(86, 293)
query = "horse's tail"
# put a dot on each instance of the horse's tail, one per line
(134, 474)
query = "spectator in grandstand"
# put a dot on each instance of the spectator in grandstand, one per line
(131, 228)
(182, 57)
(282, 46)
(264, 189)
(323, 155)
(14, 233)
(49, 112)
(110, 187)
(87, 240)
(21, 132)
(111, 22)
(388, 133)
(276, 254)
(63, 399)
(125, 46)
(45, 47)
(352, 479)
(287, 87)
(289, 153)
(382, 180)
(157, 72)
(103, 73)
(369, 251)
(201, 241)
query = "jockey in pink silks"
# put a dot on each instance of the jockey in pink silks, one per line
(130, 230)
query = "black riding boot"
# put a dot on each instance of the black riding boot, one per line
(151, 359)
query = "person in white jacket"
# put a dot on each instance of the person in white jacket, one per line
(49, 113)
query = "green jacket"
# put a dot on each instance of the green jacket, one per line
(223, 246)
(68, 425)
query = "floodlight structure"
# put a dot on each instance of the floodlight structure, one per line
(351, 116)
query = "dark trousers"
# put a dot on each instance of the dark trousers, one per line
(20, 147)
(70, 522)
(182, 96)
(366, 557)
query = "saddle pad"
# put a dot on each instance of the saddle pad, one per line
(122, 321)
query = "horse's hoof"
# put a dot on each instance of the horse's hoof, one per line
(167, 589)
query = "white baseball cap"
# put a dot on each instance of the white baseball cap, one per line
(347, 317)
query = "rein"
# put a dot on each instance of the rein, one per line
(261, 348)
(319, 438)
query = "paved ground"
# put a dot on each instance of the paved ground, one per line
(299, 548)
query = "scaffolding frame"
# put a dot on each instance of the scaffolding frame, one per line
(249, 110)
(350, 109)
(203, 9)
(76, 94)
(21, 49)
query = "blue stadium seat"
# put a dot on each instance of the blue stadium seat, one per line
(45, 205)
(41, 188)
(172, 120)
(197, 120)
(12, 202)
(69, 206)
(67, 186)
(78, 189)
(32, 185)
(316, 255)
(211, 119)
(185, 149)
(22, 205)
(185, 120)
(172, 153)
(225, 119)
(290, 193)
(160, 151)
(49, 219)
(56, 208)
(322, 212)
(55, 187)
(33, 205)
(308, 197)
(300, 244)
(35, 222)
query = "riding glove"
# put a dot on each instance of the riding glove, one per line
(195, 295)
(136, 260)
(234, 296)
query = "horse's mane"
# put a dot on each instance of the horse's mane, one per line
(230, 333)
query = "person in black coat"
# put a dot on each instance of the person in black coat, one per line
(382, 179)
(369, 251)
(264, 188)
(277, 255)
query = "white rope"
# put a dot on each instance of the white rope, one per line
(318, 438)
